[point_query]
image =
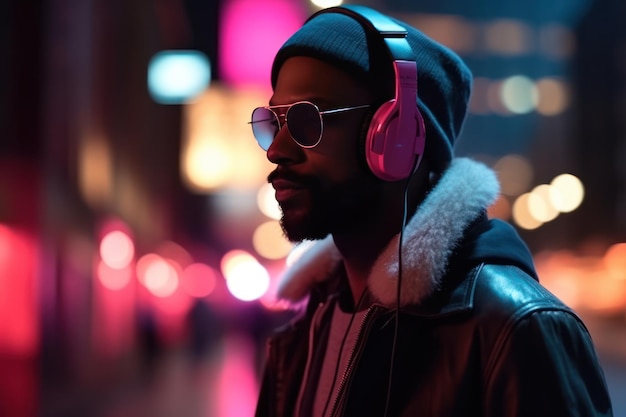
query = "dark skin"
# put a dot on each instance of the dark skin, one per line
(327, 189)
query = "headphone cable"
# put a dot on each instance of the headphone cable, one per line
(398, 290)
(341, 347)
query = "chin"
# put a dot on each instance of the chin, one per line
(297, 229)
(338, 210)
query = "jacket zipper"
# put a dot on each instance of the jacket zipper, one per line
(363, 331)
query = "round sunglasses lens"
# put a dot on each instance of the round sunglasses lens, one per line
(305, 124)
(264, 126)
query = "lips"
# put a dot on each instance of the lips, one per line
(287, 189)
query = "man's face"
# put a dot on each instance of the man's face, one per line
(325, 189)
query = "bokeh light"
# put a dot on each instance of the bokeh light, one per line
(178, 76)
(519, 94)
(566, 193)
(6, 244)
(114, 278)
(508, 37)
(479, 99)
(556, 41)
(494, 98)
(544, 203)
(246, 278)
(208, 164)
(174, 251)
(515, 173)
(117, 249)
(553, 96)
(522, 215)
(237, 385)
(269, 23)
(269, 241)
(199, 280)
(322, 4)
(158, 275)
(19, 311)
(142, 264)
(218, 149)
(95, 169)
(501, 209)
(540, 205)
(452, 30)
(267, 202)
(615, 261)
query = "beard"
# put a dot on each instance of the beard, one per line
(320, 211)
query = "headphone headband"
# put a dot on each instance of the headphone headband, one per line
(393, 34)
(395, 138)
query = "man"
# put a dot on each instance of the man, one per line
(418, 304)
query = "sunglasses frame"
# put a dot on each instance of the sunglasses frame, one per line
(285, 117)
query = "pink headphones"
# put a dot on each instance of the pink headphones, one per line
(395, 138)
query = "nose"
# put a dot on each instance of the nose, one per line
(284, 150)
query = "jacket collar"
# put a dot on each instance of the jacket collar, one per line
(462, 195)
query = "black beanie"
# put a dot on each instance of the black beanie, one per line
(444, 81)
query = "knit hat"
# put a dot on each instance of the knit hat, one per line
(444, 81)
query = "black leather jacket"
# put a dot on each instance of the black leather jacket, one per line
(497, 345)
(477, 333)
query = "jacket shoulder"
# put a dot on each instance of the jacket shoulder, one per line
(508, 295)
(509, 288)
(534, 340)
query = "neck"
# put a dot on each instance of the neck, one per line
(361, 247)
(359, 252)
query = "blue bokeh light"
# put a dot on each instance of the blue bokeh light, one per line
(178, 76)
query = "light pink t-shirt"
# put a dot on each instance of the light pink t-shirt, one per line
(336, 350)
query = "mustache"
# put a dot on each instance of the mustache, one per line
(288, 175)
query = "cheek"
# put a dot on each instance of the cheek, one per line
(338, 165)
(334, 174)
(341, 152)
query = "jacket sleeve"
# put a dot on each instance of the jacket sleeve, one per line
(545, 365)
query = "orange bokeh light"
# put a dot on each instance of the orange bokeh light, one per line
(615, 261)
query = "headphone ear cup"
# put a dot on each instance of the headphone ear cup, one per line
(389, 152)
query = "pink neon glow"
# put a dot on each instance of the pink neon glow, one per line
(113, 331)
(18, 297)
(114, 278)
(199, 280)
(161, 278)
(174, 251)
(117, 249)
(251, 34)
(142, 265)
(238, 386)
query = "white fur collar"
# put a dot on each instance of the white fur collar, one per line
(463, 192)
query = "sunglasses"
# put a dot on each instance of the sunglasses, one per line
(303, 119)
